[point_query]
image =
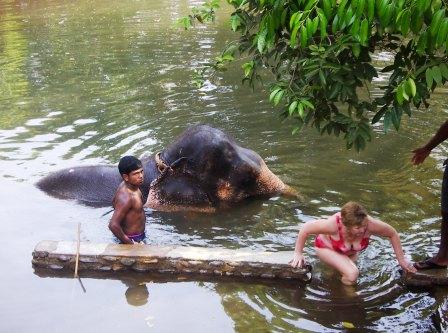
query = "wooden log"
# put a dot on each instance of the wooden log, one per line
(427, 278)
(243, 263)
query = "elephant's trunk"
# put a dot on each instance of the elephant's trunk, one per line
(269, 183)
(290, 192)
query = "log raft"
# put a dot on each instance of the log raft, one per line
(242, 263)
(427, 278)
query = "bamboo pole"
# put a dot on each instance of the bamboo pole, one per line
(77, 250)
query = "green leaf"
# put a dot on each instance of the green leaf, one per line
(293, 40)
(334, 25)
(297, 128)
(349, 18)
(235, 22)
(327, 8)
(444, 70)
(405, 22)
(436, 74)
(382, 8)
(364, 134)
(261, 41)
(228, 57)
(370, 10)
(283, 17)
(307, 103)
(387, 121)
(335, 90)
(278, 97)
(404, 93)
(309, 27)
(315, 24)
(379, 115)
(184, 22)
(441, 34)
(407, 109)
(435, 23)
(363, 33)
(422, 41)
(360, 144)
(248, 68)
(411, 89)
(301, 110)
(295, 19)
(390, 10)
(399, 94)
(273, 93)
(356, 49)
(303, 37)
(323, 23)
(421, 6)
(395, 116)
(429, 78)
(341, 118)
(341, 8)
(292, 107)
(416, 21)
(360, 8)
(355, 29)
(322, 78)
(310, 4)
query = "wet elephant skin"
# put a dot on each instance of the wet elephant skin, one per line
(208, 170)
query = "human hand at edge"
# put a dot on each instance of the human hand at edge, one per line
(298, 261)
(420, 154)
(407, 266)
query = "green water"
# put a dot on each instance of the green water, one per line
(87, 82)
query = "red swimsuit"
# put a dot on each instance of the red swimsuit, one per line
(339, 245)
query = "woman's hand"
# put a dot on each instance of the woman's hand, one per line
(407, 266)
(298, 260)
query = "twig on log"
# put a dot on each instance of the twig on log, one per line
(77, 250)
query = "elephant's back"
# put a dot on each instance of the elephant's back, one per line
(90, 185)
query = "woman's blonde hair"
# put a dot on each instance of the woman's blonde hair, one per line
(353, 214)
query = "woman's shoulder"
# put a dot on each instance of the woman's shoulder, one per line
(331, 223)
(336, 217)
(375, 224)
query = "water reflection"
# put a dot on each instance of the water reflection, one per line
(137, 293)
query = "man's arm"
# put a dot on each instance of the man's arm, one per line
(122, 206)
(421, 153)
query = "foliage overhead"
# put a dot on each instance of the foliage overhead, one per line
(320, 55)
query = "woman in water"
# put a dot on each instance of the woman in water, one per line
(342, 236)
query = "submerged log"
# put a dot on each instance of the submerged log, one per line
(243, 263)
(428, 278)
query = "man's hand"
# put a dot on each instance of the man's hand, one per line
(297, 261)
(420, 154)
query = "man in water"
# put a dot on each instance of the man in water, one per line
(439, 260)
(128, 221)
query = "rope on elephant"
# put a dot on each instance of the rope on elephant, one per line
(164, 168)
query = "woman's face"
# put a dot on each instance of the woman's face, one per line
(358, 230)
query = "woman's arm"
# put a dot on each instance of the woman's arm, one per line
(321, 226)
(380, 228)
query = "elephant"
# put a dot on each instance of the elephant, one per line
(203, 170)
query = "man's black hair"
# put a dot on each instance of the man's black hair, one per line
(128, 164)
